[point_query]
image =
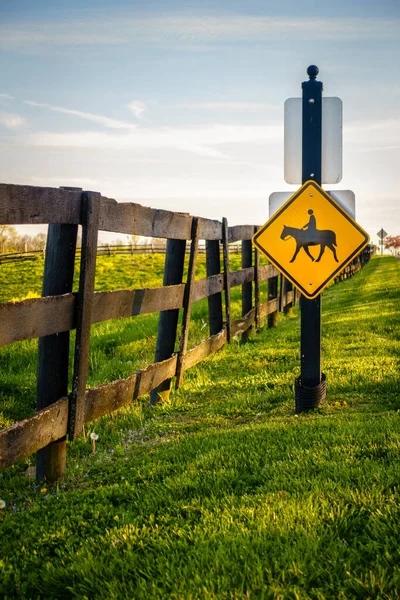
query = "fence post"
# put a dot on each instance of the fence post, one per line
(257, 294)
(187, 303)
(288, 307)
(272, 295)
(213, 267)
(90, 227)
(52, 372)
(168, 322)
(227, 279)
(247, 288)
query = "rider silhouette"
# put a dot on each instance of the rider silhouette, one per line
(311, 226)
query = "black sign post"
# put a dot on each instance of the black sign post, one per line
(310, 387)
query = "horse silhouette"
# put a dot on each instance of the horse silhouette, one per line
(317, 237)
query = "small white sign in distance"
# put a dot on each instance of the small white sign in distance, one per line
(346, 199)
(332, 140)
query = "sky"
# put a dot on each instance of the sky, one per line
(179, 105)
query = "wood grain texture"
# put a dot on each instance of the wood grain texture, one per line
(168, 321)
(200, 352)
(36, 317)
(242, 325)
(53, 350)
(187, 302)
(28, 436)
(90, 223)
(135, 219)
(247, 287)
(154, 375)
(213, 267)
(257, 280)
(127, 303)
(227, 284)
(240, 232)
(204, 288)
(242, 276)
(269, 307)
(273, 295)
(24, 204)
(209, 229)
(104, 399)
(267, 271)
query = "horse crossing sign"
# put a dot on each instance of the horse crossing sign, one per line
(310, 239)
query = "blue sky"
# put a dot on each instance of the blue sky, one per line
(179, 105)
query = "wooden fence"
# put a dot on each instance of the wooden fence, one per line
(112, 250)
(52, 317)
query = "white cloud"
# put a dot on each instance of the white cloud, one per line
(6, 96)
(198, 140)
(99, 119)
(11, 121)
(130, 29)
(138, 108)
(371, 135)
(231, 106)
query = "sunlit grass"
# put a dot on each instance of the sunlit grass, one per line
(224, 492)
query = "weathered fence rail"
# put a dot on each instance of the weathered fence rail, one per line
(111, 250)
(52, 317)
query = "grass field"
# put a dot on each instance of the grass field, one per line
(118, 348)
(224, 492)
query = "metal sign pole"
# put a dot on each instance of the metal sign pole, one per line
(309, 388)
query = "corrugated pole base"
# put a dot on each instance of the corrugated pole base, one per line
(310, 387)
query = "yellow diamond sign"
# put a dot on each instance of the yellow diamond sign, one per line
(310, 239)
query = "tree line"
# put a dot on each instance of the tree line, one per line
(12, 241)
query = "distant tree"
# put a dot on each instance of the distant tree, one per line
(392, 243)
(39, 241)
(8, 237)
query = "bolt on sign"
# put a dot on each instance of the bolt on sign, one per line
(310, 239)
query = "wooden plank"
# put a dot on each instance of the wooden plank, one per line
(227, 286)
(209, 229)
(242, 277)
(247, 287)
(153, 376)
(240, 232)
(269, 307)
(240, 326)
(25, 204)
(213, 267)
(53, 361)
(168, 322)
(204, 288)
(26, 437)
(135, 219)
(187, 303)
(36, 317)
(105, 399)
(90, 223)
(267, 271)
(203, 350)
(127, 303)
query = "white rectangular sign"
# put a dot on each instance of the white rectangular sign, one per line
(332, 133)
(345, 198)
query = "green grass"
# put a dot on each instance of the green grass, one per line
(118, 348)
(224, 492)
